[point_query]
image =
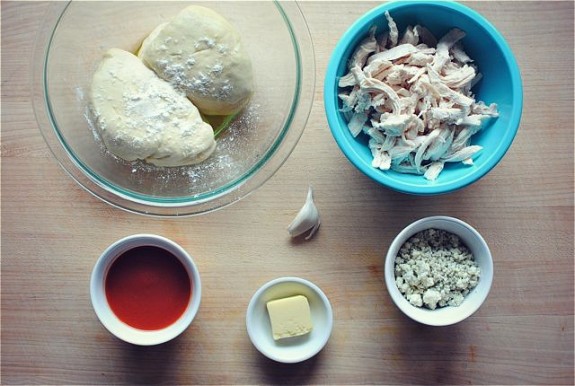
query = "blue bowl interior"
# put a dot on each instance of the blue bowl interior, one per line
(501, 84)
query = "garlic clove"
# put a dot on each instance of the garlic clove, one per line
(307, 218)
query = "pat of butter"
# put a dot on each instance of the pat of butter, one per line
(289, 316)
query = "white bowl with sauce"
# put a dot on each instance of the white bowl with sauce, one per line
(145, 289)
(294, 349)
(448, 315)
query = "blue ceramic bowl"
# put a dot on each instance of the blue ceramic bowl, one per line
(501, 84)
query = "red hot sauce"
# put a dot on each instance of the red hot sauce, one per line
(148, 288)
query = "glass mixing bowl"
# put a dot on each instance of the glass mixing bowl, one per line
(257, 142)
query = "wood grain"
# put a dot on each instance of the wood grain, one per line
(53, 230)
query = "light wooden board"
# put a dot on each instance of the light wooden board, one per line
(53, 231)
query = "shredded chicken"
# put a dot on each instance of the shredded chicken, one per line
(411, 94)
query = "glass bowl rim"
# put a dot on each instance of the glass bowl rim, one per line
(232, 191)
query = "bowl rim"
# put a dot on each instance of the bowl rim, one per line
(421, 314)
(343, 139)
(326, 309)
(148, 204)
(109, 319)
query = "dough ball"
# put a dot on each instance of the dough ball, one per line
(141, 116)
(201, 53)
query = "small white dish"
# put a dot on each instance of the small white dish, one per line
(296, 349)
(114, 324)
(446, 315)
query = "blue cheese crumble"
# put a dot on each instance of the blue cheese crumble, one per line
(434, 268)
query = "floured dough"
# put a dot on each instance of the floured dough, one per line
(141, 116)
(201, 53)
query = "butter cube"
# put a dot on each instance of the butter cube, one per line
(289, 316)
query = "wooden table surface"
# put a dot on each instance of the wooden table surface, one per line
(53, 231)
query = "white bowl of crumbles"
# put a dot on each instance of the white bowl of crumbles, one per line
(438, 270)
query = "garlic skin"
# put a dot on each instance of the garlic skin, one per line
(307, 218)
